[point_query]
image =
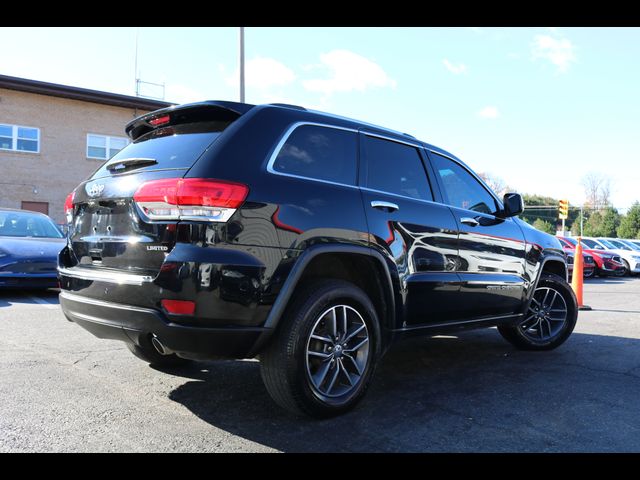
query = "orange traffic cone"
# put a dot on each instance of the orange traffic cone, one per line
(578, 278)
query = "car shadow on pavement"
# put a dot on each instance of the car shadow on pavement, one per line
(473, 393)
(13, 296)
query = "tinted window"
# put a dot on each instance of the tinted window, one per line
(631, 245)
(591, 244)
(461, 189)
(176, 146)
(566, 243)
(395, 168)
(607, 244)
(22, 224)
(319, 152)
(618, 244)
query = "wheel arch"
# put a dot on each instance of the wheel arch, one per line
(552, 263)
(360, 265)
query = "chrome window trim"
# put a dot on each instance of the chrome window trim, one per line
(405, 197)
(284, 139)
(473, 174)
(392, 139)
(359, 122)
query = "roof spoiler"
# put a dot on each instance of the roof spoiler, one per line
(212, 110)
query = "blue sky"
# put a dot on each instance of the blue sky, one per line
(538, 107)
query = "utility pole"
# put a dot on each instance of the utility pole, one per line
(581, 217)
(242, 64)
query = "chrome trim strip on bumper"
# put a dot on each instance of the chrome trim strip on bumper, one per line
(103, 276)
(78, 298)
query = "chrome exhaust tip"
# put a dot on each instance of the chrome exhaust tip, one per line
(157, 344)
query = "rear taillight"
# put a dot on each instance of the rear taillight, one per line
(68, 206)
(190, 199)
(179, 307)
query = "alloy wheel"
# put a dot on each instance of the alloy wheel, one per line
(546, 316)
(337, 351)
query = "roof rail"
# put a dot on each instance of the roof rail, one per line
(287, 105)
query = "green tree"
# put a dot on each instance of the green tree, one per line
(531, 213)
(630, 223)
(602, 223)
(544, 226)
(592, 227)
(610, 222)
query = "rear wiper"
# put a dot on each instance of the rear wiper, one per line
(122, 164)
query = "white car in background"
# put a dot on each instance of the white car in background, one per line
(633, 242)
(630, 257)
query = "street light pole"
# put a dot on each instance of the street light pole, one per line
(242, 64)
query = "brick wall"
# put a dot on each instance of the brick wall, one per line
(62, 162)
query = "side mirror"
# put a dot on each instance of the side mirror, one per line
(513, 205)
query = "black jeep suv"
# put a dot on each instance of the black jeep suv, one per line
(307, 240)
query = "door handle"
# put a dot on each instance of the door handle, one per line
(472, 222)
(391, 207)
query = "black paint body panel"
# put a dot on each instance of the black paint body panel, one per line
(435, 272)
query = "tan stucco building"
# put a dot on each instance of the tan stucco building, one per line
(53, 136)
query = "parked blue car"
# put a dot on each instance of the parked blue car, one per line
(29, 247)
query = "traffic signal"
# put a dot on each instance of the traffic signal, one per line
(563, 209)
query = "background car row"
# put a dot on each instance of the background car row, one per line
(30, 243)
(611, 256)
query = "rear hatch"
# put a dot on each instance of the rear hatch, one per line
(122, 217)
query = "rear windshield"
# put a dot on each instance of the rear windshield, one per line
(176, 146)
(24, 224)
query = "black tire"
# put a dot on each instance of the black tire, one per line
(515, 334)
(147, 352)
(627, 269)
(283, 364)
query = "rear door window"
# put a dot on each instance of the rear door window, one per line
(321, 153)
(396, 168)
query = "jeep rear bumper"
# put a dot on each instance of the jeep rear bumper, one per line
(129, 323)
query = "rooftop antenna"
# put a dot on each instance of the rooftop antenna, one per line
(140, 82)
(135, 68)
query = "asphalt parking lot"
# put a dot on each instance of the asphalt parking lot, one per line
(64, 390)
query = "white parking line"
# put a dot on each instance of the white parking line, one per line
(43, 302)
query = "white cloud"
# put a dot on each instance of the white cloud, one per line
(263, 73)
(490, 112)
(559, 51)
(348, 71)
(455, 69)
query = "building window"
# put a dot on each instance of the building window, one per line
(19, 139)
(102, 147)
